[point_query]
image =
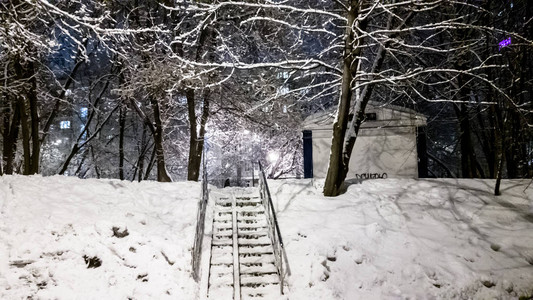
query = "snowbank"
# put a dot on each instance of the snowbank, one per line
(408, 239)
(66, 238)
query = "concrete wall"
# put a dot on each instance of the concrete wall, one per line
(390, 150)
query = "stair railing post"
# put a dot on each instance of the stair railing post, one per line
(200, 222)
(274, 232)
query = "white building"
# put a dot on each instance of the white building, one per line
(391, 144)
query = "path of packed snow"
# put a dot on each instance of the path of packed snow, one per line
(382, 239)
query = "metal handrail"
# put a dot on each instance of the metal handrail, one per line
(200, 225)
(274, 232)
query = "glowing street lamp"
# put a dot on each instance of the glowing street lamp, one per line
(273, 156)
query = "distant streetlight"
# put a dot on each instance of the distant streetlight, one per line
(273, 156)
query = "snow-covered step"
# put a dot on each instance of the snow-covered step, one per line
(221, 268)
(252, 235)
(222, 229)
(222, 203)
(250, 223)
(256, 258)
(256, 231)
(259, 279)
(223, 212)
(261, 248)
(254, 242)
(250, 215)
(223, 219)
(246, 229)
(253, 212)
(256, 209)
(248, 204)
(242, 259)
(220, 292)
(221, 250)
(221, 279)
(268, 291)
(225, 260)
(223, 235)
(222, 243)
(247, 198)
(259, 268)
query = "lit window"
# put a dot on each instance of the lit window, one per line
(283, 75)
(84, 111)
(283, 90)
(64, 124)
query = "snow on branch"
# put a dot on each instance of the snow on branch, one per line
(293, 26)
(282, 7)
(95, 24)
(303, 64)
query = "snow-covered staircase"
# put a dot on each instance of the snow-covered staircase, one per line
(242, 262)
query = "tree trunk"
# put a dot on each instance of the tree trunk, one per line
(80, 165)
(35, 122)
(25, 128)
(142, 153)
(23, 74)
(96, 170)
(162, 174)
(150, 164)
(349, 134)
(359, 112)
(332, 186)
(196, 139)
(193, 166)
(122, 124)
(500, 156)
(196, 145)
(157, 132)
(486, 138)
(11, 131)
(71, 155)
(500, 120)
(468, 158)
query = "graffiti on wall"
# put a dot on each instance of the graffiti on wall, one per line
(371, 176)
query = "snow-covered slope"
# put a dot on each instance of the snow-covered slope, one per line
(408, 239)
(382, 239)
(65, 238)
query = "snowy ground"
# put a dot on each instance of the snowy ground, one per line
(408, 239)
(383, 239)
(52, 228)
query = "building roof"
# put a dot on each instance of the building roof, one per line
(387, 115)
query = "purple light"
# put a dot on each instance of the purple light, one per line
(504, 43)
